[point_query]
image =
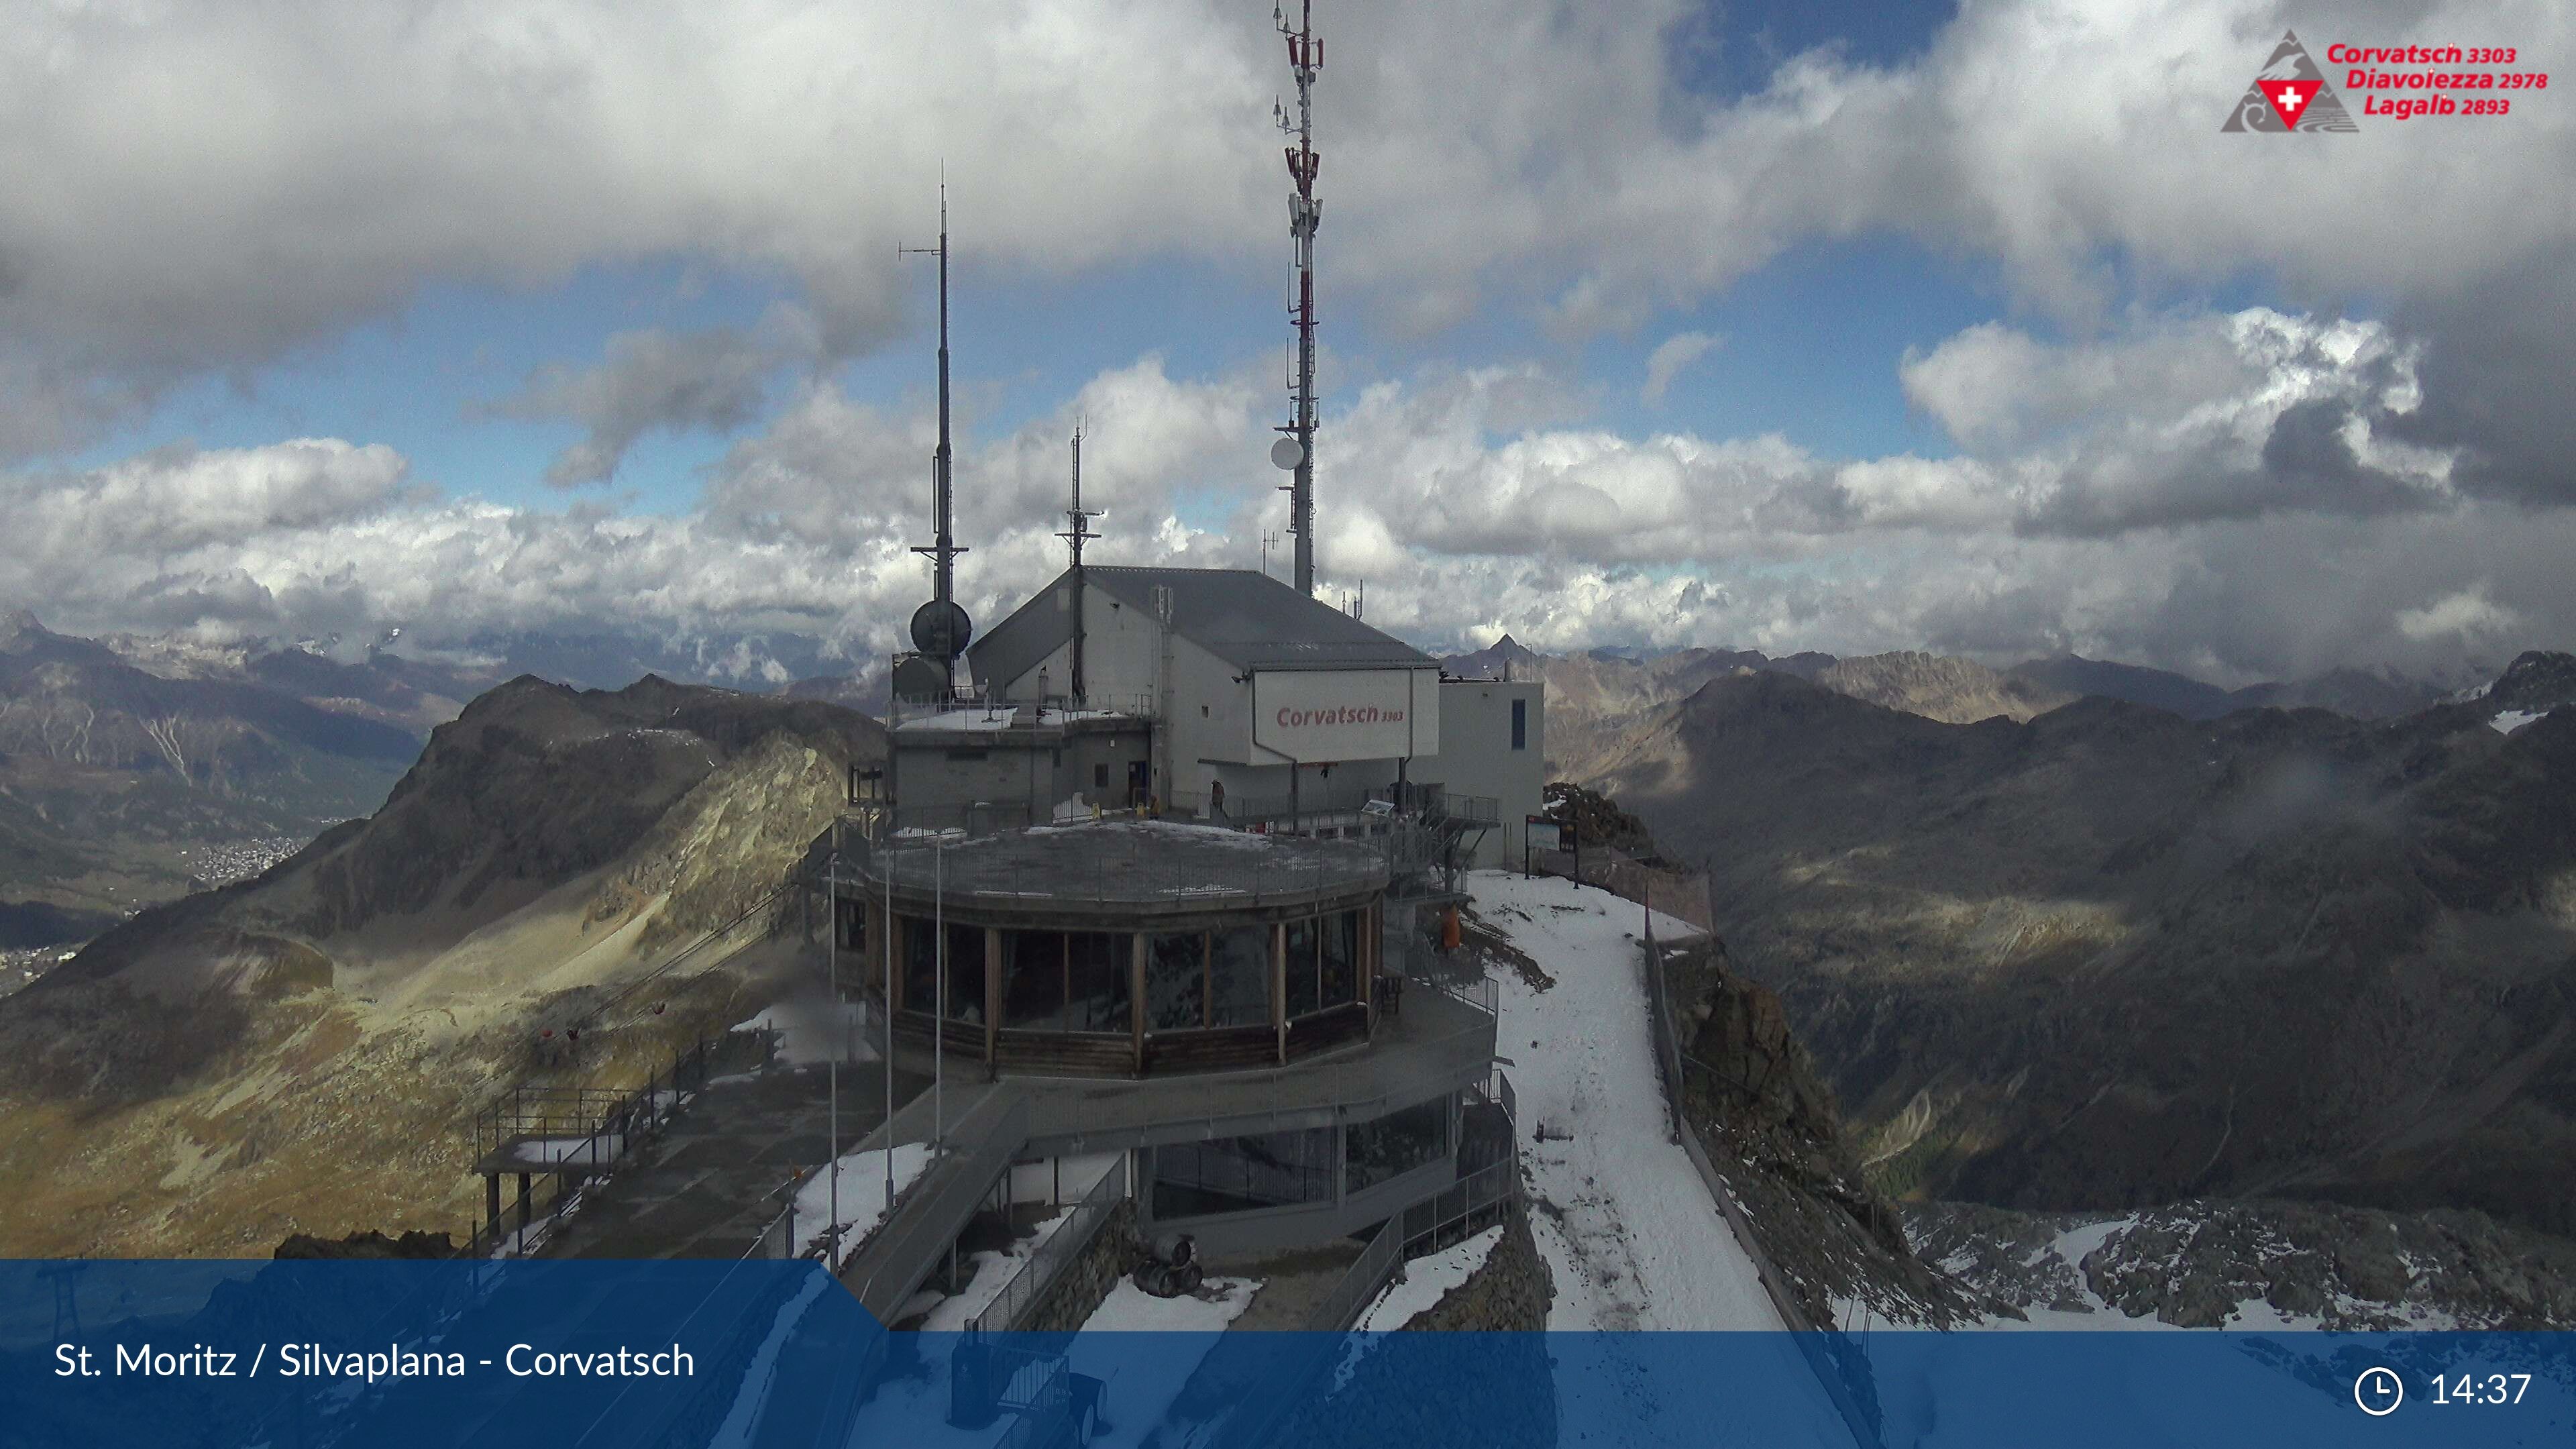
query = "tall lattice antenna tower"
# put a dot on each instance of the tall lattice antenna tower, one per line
(1295, 450)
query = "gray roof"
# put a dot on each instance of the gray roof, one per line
(1242, 616)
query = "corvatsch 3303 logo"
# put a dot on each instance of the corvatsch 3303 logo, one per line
(2290, 94)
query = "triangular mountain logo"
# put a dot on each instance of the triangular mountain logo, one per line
(2290, 94)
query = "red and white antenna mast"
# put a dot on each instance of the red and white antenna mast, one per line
(1296, 448)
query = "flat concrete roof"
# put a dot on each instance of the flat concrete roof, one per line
(1134, 867)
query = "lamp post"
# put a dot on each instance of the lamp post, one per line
(832, 1070)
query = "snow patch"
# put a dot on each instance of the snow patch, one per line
(863, 1198)
(1426, 1281)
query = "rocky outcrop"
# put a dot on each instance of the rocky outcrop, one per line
(1769, 1123)
(1400, 1387)
(1508, 1293)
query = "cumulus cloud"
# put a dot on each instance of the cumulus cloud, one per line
(1668, 359)
(165, 214)
(1468, 502)
(657, 380)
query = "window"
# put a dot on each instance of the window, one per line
(1341, 965)
(1233, 1174)
(1239, 978)
(1033, 970)
(852, 923)
(920, 965)
(1100, 777)
(965, 973)
(1520, 724)
(1323, 963)
(1398, 1142)
(1203, 711)
(1301, 967)
(1175, 982)
(1096, 971)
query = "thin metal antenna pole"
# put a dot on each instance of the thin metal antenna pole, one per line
(943, 549)
(889, 1031)
(832, 1076)
(939, 992)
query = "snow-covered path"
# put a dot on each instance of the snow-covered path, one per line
(1625, 1222)
(1627, 1225)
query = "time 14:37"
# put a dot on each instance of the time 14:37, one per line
(2473, 1389)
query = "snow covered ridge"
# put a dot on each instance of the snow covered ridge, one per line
(2254, 1265)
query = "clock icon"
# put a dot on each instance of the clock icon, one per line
(2379, 1391)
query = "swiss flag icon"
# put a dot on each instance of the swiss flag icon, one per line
(2289, 98)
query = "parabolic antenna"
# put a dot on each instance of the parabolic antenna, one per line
(1286, 454)
(941, 629)
(921, 678)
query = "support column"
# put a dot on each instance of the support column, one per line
(524, 1204)
(1279, 985)
(492, 1202)
(992, 996)
(1136, 996)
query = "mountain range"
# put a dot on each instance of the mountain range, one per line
(290, 1053)
(1594, 696)
(2111, 956)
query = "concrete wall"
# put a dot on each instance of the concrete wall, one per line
(1476, 756)
(1036, 770)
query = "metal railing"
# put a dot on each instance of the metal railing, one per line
(922, 1221)
(568, 1134)
(1049, 1260)
(1493, 1186)
(1823, 1348)
(1134, 705)
(1361, 1282)
(1123, 865)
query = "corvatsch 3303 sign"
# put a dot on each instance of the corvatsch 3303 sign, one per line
(1325, 715)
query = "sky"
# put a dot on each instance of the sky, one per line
(1644, 323)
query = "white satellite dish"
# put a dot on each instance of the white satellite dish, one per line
(1286, 454)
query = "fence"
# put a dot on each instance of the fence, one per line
(568, 1134)
(1489, 1189)
(1048, 1262)
(1682, 894)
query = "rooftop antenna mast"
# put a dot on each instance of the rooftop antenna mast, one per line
(940, 628)
(1077, 531)
(1295, 450)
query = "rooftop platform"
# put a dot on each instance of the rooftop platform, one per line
(1132, 867)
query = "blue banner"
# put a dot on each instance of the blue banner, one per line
(688, 1354)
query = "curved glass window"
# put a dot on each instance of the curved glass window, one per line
(1175, 982)
(1302, 937)
(1096, 981)
(1239, 977)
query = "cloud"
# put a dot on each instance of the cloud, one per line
(657, 380)
(1669, 357)
(197, 189)
(2199, 529)
(2467, 615)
